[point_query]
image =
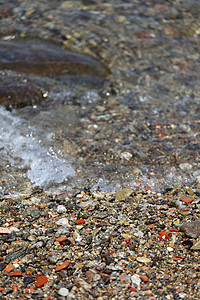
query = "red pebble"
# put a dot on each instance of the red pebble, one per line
(143, 277)
(144, 36)
(9, 268)
(187, 199)
(80, 221)
(41, 280)
(164, 235)
(127, 240)
(174, 230)
(61, 239)
(17, 273)
(177, 258)
(63, 266)
(15, 288)
(131, 289)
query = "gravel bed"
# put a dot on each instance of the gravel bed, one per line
(131, 244)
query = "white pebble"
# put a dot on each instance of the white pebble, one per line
(136, 280)
(63, 222)
(63, 292)
(170, 249)
(61, 209)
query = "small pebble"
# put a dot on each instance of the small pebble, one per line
(143, 259)
(41, 280)
(63, 222)
(63, 292)
(61, 209)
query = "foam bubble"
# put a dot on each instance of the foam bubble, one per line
(21, 148)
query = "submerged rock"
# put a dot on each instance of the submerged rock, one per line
(32, 62)
(41, 57)
(19, 92)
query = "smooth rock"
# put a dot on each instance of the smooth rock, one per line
(31, 212)
(63, 222)
(16, 91)
(191, 229)
(41, 280)
(4, 230)
(123, 194)
(143, 259)
(61, 209)
(63, 292)
(36, 56)
(136, 280)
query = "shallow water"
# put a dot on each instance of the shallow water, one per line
(140, 129)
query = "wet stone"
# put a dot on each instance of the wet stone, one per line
(28, 280)
(191, 229)
(123, 194)
(36, 56)
(32, 213)
(17, 91)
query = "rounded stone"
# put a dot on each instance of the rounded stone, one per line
(63, 292)
(61, 209)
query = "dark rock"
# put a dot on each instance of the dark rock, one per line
(19, 92)
(28, 280)
(41, 57)
(2, 266)
(191, 229)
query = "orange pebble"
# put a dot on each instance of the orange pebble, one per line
(150, 226)
(61, 239)
(41, 280)
(80, 221)
(63, 266)
(15, 288)
(143, 277)
(17, 273)
(9, 268)
(187, 199)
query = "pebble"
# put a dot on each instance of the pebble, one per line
(191, 229)
(62, 266)
(28, 280)
(9, 268)
(63, 222)
(196, 246)
(136, 280)
(187, 199)
(123, 194)
(143, 277)
(41, 280)
(63, 292)
(61, 209)
(17, 273)
(4, 230)
(53, 259)
(170, 249)
(31, 212)
(143, 259)
(80, 221)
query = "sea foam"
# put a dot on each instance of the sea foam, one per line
(21, 148)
